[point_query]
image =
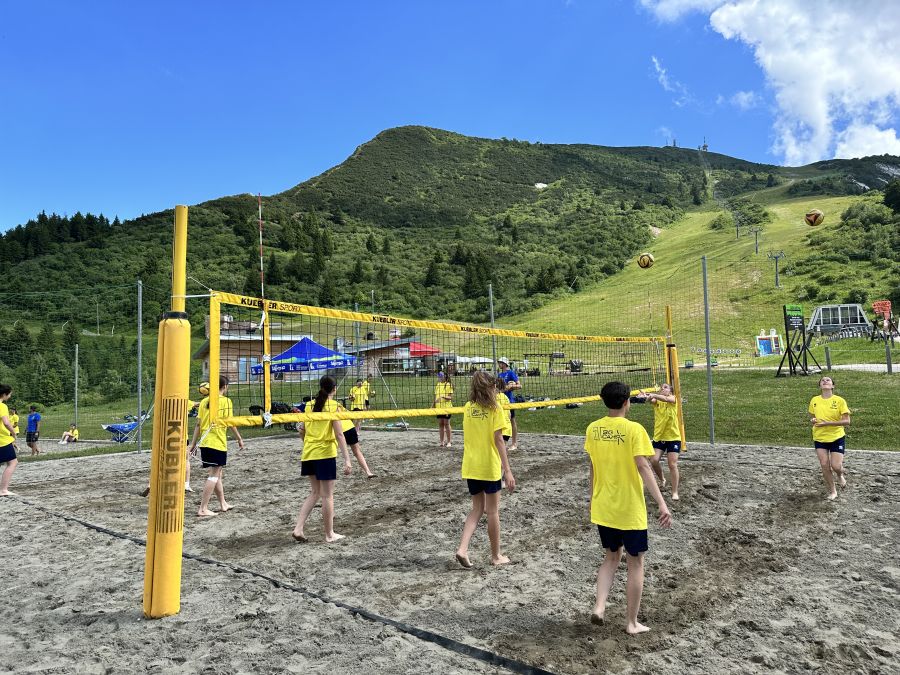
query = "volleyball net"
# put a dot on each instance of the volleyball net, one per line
(274, 353)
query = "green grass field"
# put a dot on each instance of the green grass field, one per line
(751, 407)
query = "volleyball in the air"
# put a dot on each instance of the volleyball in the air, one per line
(203, 388)
(645, 260)
(814, 217)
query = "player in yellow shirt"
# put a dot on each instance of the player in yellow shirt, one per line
(619, 450)
(321, 439)
(484, 464)
(14, 419)
(214, 449)
(358, 396)
(70, 436)
(502, 401)
(7, 443)
(666, 434)
(829, 415)
(443, 398)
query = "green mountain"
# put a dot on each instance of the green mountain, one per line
(425, 218)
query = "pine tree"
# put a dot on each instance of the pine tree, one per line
(371, 244)
(46, 339)
(432, 274)
(71, 335)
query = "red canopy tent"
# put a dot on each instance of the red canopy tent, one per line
(418, 350)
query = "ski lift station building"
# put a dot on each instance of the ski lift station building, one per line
(836, 318)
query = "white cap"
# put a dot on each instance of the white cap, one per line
(503, 359)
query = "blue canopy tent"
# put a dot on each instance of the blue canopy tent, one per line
(304, 356)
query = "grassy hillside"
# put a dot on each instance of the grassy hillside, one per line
(742, 294)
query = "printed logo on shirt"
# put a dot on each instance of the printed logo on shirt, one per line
(601, 434)
(478, 413)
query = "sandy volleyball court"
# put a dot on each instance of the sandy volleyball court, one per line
(759, 572)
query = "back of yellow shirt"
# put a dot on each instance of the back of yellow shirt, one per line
(346, 425)
(14, 420)
(216, 437)
(481, 461)
(665, 421)
(75, 434)
(830, 409)
(319, 441)
(617, 499)
(5, 437)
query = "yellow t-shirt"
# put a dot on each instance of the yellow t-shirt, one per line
(481, 461)
(5, 437)
(358, 396)
(665, 421)
(74, 434)
(443, 389)
(507, 420)
(346, 425)
(14, 420)
(617, 499)
(216, 437)
(319, 442)
(830, 409)
(368, 387)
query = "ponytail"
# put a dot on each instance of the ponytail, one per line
(326, 386)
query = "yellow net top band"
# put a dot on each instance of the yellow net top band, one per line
(293, 308)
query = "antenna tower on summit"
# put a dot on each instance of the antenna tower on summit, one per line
(705, 145)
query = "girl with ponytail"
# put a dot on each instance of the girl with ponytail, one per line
(321, 439)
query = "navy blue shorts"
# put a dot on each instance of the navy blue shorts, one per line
(213, 457)
(832, 446)
(7, 453)
(351, 436)
(443, 417)
(32, 436)
(512, 413)
(486, 486)
(505, 437)
(321, 469)
(635, 541)
(668, 446)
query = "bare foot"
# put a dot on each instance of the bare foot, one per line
(225, 508)
(842, 481)
(206, 514)
(832, 496)
(334, 537)
(636, 628)
(7, 494)
(371, 475)
(145, 491)
(596, 618)
(675, 497)
(299, 537)
(463, 559)
(500, 560)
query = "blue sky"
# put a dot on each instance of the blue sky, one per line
(129, 108)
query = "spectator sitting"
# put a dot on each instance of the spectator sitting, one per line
(70, 436)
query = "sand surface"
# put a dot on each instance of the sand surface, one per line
(759, 573)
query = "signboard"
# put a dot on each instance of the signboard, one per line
(882, 307)
(793, 317)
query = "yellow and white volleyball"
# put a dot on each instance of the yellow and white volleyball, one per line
(203, 388)
(645, 260)
(814, 217)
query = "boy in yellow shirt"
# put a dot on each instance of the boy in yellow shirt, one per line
(619, 450)
(829, 415)
(358, 396)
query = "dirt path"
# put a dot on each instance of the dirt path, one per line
(759, 572)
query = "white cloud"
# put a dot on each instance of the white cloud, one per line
(745, 100)
(833, 65)
(669, 10)
(682, 97)
(860, 140)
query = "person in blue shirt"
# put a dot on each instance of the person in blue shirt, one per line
(33, 431)
(510, 384)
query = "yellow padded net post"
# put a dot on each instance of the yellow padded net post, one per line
(165, 514)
